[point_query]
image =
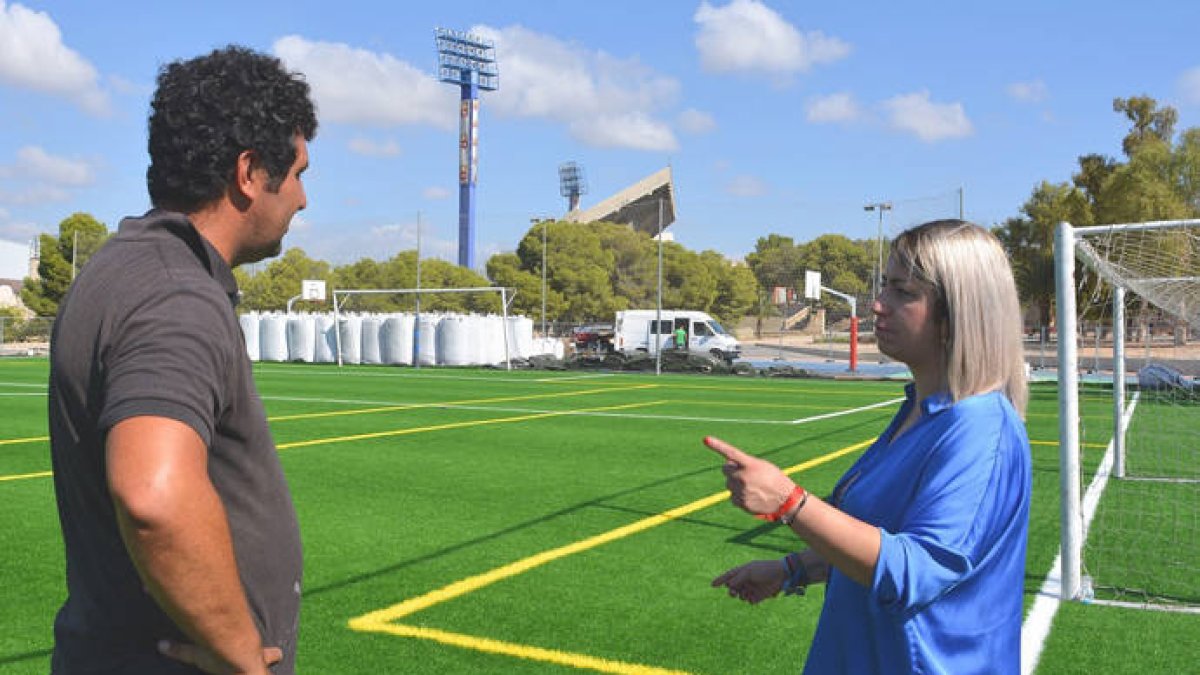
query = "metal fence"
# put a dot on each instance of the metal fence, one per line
(25, 337)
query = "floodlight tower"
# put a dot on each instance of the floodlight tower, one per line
(571, 183)
(470, 62)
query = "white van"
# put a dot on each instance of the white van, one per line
(636, 331)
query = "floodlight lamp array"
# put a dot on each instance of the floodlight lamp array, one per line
(571, 180)
(460, 54)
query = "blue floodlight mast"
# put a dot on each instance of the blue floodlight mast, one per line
(470, 62)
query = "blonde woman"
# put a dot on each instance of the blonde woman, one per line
(922, 542)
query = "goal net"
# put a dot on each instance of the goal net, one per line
(1129, 399)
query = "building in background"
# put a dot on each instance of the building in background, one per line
(16, 263)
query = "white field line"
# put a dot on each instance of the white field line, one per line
(420, 376)
(816, 418)
(565, 378)
(1036, 627)
(24, 385)
(674, 418)
(23, 393)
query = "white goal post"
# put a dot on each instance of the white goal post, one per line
(1159, 263)
(340, 296)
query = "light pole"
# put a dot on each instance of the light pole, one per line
(877, 278)
(417, 322)
(658, 303)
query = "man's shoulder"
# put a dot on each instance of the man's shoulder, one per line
(133, 264)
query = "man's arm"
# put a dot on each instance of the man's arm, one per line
(175, 528)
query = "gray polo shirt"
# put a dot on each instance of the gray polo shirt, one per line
(149, 328)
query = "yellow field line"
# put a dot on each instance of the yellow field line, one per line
(21, 476)
(498, 399)
(458, 425)
(569, 659)
(416, 430)
(1098, 446)
(380, 621)
(33, 439)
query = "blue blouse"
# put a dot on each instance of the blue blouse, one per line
(951, 500)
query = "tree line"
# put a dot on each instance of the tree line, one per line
(594, 270)
(1157, 179)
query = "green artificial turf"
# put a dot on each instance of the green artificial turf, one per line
(408, 481)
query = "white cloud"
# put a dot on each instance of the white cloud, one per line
(299, 224)
(357, 86)
(697, 121)
(128, 87)
(32, 55)
(603, 100)
(435, 193)
(1189, 86)
(746, 186)
(37, 177)
(746, 35)
(633, 130)
(37, 164)
(916, 114)
(340, 245)
(34, 195)
(1034, 91)
(371, 148)
(840, 107)
(17, 231)
(396, 237)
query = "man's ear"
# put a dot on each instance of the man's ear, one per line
(248, 174)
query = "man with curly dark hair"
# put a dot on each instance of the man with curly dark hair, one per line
(182, 546)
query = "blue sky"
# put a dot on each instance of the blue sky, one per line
(782, 117)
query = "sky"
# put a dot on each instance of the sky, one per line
(775, 117)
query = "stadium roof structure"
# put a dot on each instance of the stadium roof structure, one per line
(636, 205)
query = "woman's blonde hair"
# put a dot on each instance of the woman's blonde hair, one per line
(977, 303)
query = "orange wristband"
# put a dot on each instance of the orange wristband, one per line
(798, 493)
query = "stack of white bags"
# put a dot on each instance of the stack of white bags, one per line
(393, 339)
